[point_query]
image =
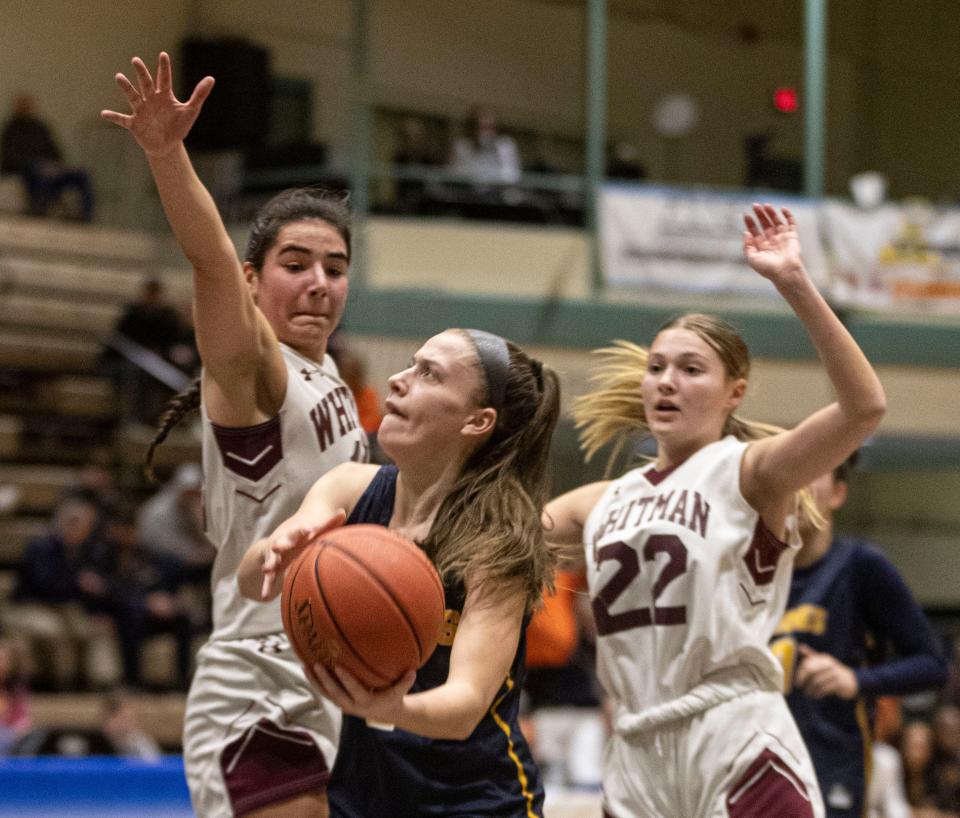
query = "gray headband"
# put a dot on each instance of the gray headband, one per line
(495, 360)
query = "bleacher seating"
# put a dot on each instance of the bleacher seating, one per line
(161, 714)
(62, 287)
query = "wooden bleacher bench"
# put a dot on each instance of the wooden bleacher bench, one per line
(87, 396)
(10, 428)
(40, 235)
(40, 486)
(8, 582)
(91, 281)
(161, 714)
(181, 446)
(39, 352)
(67, 315)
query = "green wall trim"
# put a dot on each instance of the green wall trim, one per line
(910, 454)
(581, 324)
(908, 343)
(589, 323)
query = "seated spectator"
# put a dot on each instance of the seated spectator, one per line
(14, 695)
(144, 600)
(28, 149)
(413, 151)
(946, 758)
(62, 603)
(171, 526)
(121, 725)
(916, 749)
(483, 156)
(96, 483)
(153, 324)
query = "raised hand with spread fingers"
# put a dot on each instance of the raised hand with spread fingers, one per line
(159, 121)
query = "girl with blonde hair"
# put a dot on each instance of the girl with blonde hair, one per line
(688, 557)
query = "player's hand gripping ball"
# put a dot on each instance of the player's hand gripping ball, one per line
(365, 598)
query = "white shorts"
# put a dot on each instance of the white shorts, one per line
(743, 758)
(255, 732)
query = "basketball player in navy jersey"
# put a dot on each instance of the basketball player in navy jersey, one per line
(688, 558)
(848, 608)
(468, 426)
(275, 415)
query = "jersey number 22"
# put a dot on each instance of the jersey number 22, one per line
(629, 569)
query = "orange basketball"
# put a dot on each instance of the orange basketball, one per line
(365, 598)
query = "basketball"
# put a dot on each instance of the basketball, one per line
(365, 598)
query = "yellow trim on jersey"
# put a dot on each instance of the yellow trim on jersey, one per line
(864, 723)
(806, 618)
(521, 774)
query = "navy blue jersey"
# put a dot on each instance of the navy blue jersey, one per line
(854, 605)
(397, 773)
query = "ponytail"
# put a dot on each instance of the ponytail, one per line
(612, 412)
(177, 408)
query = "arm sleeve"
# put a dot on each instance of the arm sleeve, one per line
(891, 613)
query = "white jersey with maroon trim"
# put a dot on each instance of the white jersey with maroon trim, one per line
(256, 477)
(685, 580)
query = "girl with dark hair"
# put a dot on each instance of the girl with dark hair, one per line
(468, 425)
(275, 415)
(688, 558)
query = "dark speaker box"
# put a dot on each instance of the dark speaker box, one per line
(236, 114)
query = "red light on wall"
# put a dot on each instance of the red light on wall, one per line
(785, 100)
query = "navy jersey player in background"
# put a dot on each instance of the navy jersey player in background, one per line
(468, 425)
(848, 607)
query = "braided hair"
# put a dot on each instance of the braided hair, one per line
(177, 408)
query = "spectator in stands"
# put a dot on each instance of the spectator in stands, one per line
(28, 149)
(14, 694)
(484, 156)
(624, 163)
(121, 725)
(946, 757)
(154, 325)
(62, 598)
(414, 152)
(171, 526)
(98, 484)
(916, 748)
(145, 602)
(951, 690)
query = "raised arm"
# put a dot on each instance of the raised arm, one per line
(236, 344)
(775, 467)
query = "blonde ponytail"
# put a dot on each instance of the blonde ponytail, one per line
(612, 412)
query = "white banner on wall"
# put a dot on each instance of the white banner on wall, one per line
(687, 240)
(895, 257)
